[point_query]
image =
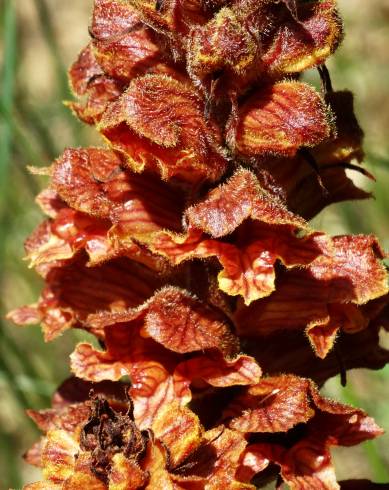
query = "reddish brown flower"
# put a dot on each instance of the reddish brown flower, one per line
(96, 444)
(297, 180)
(323, 298)
(277, 405)
(148, 343)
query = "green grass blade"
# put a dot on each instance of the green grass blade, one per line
(7, 90)
(60, 70)
(11, 478)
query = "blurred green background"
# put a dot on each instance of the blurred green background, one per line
(40, 38)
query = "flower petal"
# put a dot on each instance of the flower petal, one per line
(92, 181)
(221, 459)
(80, 175)
(83, 476)
(57, 241)
(59, 456)
(278, 120)
(112, 18)
(305, 40)
(128, 54)
(223, 49)
(298, 182)
(180, 430)
(67, 418)
(172, 137)
(306, 465)
(227, 206)
(219, 372)
(75, 291)
(275, 404)
(83, 71)
(182, 324)
(265, 231)
(126, 474)
(89, 82)
(173, 19)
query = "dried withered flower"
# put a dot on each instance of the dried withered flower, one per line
(183, 246)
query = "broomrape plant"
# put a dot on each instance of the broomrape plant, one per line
(184, 247)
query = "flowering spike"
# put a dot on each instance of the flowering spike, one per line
(184, 248)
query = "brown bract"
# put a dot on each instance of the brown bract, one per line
(301, 38)
(123, 47)
(94, 90)
(93, 181)
(224, 51)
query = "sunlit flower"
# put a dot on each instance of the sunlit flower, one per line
(184, 247)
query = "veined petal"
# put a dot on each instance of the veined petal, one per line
(95, 90)
(171, 137)
(264, 232)
(50, 202)
(66, 418)
(57, 241)
(298, 181)
(228, 446)
(174, 19)
(306, 465)
(83, 71)
(111, 18)
(92, 181)
(275, 404)
(278, 120)
(182, 324)
(172, 318)
(179, 429)
(123, 46)
(75, 291)
(223, 49)
(59, 456)
(304, 40)
(93, 365)
(306, 462)
(126, 474)
(240, 198)
(219, 372)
